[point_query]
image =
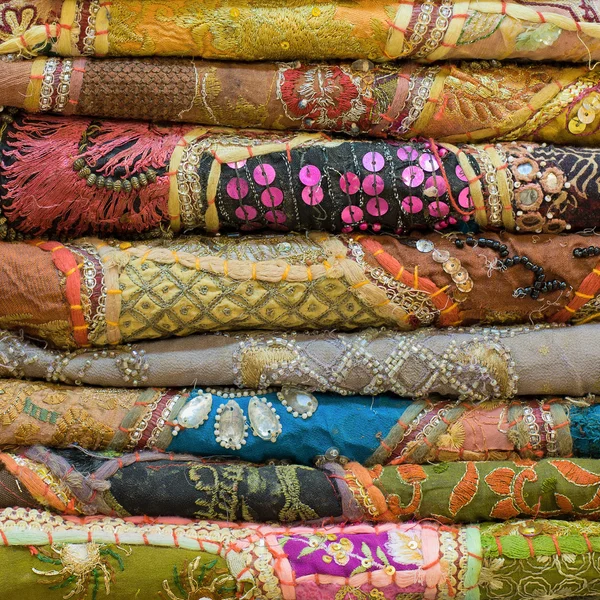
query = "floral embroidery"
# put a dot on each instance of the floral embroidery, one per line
(200, 581)
(322, 95)
(83, 566)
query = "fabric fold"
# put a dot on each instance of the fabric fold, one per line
(140, 179)
(427, 30)
(472, 364)
(454, 102)
(222, 561)
(73, 482)
(296, 425)
(108, 292)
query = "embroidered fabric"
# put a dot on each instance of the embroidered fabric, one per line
(455, 102)
(259, 30)
(138, 179)
(475, 364)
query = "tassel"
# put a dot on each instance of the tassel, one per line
(43, 193)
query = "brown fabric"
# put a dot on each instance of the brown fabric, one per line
(13, 493)
(457, 102)
(492, 300)
(32, 296)
(196, 284)
(58, 415)
(120, 88)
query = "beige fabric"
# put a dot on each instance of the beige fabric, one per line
(475, 363)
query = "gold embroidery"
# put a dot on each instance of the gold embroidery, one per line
(76, 426)
(27, 433)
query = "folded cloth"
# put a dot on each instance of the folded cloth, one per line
(94, 293)
(260, 29)
(294, 424)
(72, 482)
(473, 364)
(455, 102)
(132, 178)
(184, 559)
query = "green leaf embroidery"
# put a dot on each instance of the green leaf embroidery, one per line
(359, 569)
(306, 551)
(382, 557)
(367, 551)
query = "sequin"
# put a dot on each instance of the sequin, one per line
(438, 209)
(377, 207)
(275, 216)
(412, 204)
(271, 197)
(435, 186)
(460, 173)
(464, 198)
(313, 195)
(373, 161)
(413, 176)
(373, 185)
(428, 162)
(246, 212)
(310, 175)
(352, 214)
(349, 183)
(237, 188)
(407, 153)
(264, 174)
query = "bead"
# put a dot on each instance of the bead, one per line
(516, 259)
(508, 262)
(482, 242)
(562, 285)
(459, 243)
(535, 294)
(504, 253)
(78, 164)
(470, 241)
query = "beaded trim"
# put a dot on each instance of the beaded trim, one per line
(89, 41)
(189, 187)
(420, 99)
(64, 86)
(412, 301)
(420, 27)
(47, 91)
(494, 201)
(437, 33)
(548, 420)
(162, 421)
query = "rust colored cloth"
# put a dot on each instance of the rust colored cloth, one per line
(132, 179)
(455, 102)
(122, 292)
(33, 293)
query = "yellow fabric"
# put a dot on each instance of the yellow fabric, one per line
(258, 29)
(186, 287)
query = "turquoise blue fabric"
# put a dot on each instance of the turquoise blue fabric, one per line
(585, 431)
(352, 424)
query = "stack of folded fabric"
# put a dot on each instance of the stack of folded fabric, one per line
(299, 330)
